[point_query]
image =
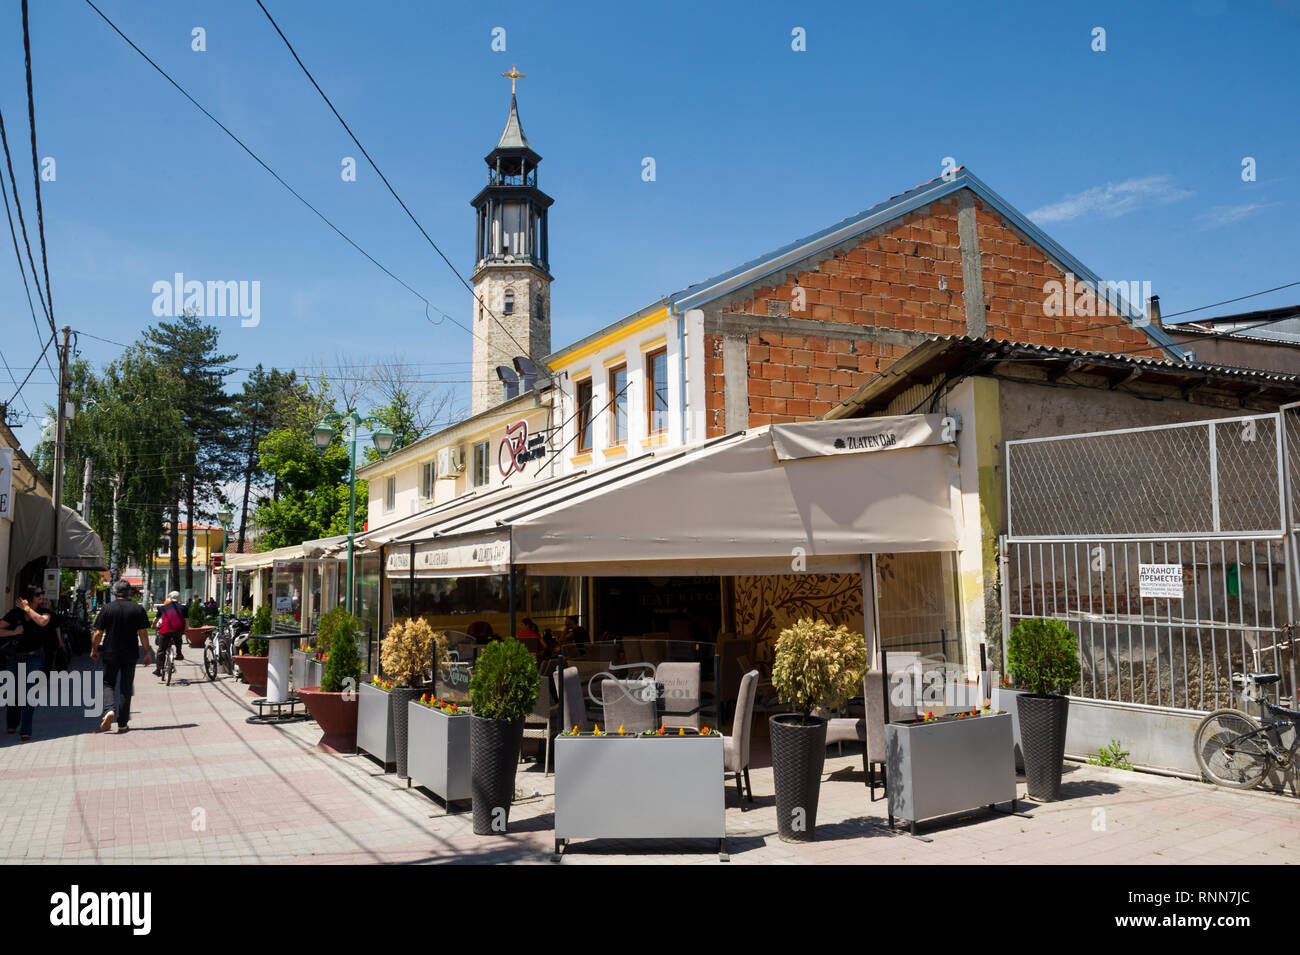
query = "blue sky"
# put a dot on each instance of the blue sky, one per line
(1131, 158)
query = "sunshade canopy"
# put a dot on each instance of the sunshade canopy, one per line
(79, 546)
(727, 506)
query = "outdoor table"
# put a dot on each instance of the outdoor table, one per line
(277, 682)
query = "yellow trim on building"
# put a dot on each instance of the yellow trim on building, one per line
(583, 375)
(655, 440)
(615, 449)
(619, 359)
(660, 342)
(580, 459)
(604, 341)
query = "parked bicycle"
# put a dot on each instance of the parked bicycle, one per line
(1235, 750)
(221, 646)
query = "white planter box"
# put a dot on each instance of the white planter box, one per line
(613, 787)
(375, 724)
(948, 766)
(437, 751)
(1005, 698)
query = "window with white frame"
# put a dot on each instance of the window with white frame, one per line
(657, 392)
(482, 474)
(390, 493)
(427, 475)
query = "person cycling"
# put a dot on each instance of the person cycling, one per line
(171, 624)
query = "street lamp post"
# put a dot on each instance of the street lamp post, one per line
(348, 426)
(226, 519)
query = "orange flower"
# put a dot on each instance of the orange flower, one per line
(681, 731)
(620, 729)
(663, 729)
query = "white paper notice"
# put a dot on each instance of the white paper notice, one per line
(1160, 580)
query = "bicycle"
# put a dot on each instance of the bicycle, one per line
(169, 662)
(219, 648)
(1235, 750)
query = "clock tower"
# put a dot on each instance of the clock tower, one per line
(512, 277)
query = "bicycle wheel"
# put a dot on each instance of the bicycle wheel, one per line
(209, 663)
(171, 664)
(1231, 751)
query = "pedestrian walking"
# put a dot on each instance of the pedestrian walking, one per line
(32, 628)
(123, 628)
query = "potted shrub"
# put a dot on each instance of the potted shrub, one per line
(404, 655)
(196, 631)
(1044, 656)
(817, 666)
(253, 655)
(333, 704)
(502, 692)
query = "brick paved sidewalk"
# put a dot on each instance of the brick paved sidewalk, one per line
(194, 783)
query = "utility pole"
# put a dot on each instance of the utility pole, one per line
(83, 578)
(59, 442)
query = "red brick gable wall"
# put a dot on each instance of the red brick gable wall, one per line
(909, 279)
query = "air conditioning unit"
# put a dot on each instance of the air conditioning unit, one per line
(451, 462)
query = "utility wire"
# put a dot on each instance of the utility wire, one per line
(375, 167)
(36, 166)
(34, 367)
(18, 256)
(242, 145)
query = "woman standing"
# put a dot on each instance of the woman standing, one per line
(32, 626)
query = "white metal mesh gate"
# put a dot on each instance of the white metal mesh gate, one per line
(1089, 514)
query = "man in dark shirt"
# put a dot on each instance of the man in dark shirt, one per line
(123, 628)
(29, 627)
(574, 633)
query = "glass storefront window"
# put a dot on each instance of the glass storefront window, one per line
(916, 598)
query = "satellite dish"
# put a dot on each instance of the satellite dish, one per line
(528, 373)
(509, 380)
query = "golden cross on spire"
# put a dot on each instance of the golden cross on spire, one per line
(513, 76)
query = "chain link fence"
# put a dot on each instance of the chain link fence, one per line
(1166, 552)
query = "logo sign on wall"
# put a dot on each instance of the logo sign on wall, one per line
(6, 481)
(517, 449)
(1160, 580)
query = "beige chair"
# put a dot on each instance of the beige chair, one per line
(874, 692)
(681, 683)
(570, 694)
(538, 723)
(629, 704)
(735, 748)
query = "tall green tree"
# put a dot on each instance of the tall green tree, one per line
(189, 349)
(261, 406)
(312, 499)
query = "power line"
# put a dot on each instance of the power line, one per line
(242, 145)
(36, 166)
(375, 167)
(1240, 298)
(18, 256)
(34, 367)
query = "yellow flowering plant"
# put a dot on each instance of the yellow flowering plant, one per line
(818, 665)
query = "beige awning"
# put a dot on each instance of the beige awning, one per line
(79, 546)
(727, 506)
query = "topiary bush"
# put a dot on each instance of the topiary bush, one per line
(818, 665)
(333, 623)
(504, 683)
(196, 616)
(262, 620)
(255, 647)
(343, 668)
(1044, 656)
(408, 650)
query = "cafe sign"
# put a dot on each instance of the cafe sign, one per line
(479, 556)
(812, 439)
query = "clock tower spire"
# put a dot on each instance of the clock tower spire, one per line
(512, 276)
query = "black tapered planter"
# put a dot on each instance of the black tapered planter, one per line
(1043, 721)
(493, 759)
(798, 755)
(399, 696)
